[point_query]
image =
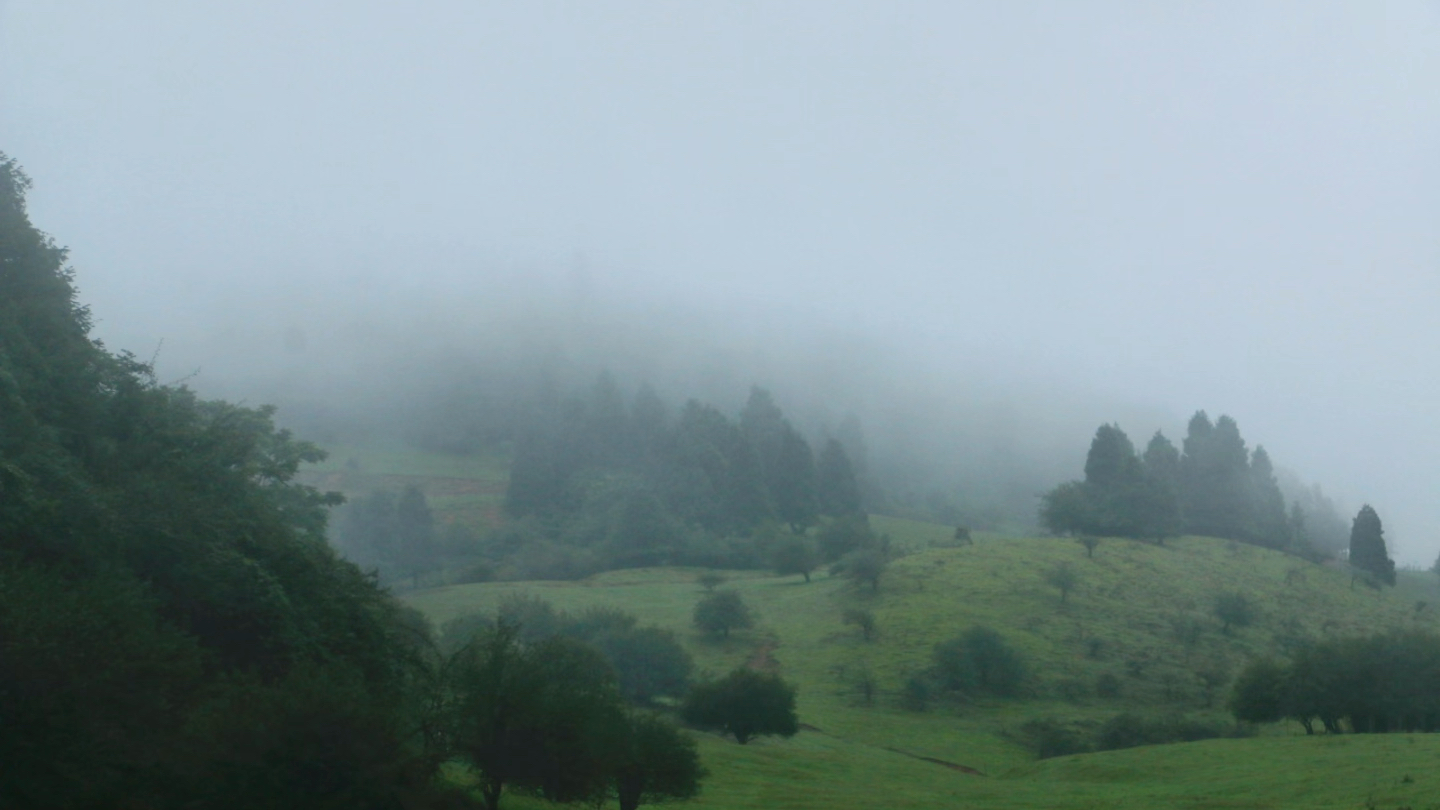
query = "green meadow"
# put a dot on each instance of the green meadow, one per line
(1141, 613)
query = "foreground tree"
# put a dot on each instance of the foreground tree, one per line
(543, 716)
(656, 762)
(746, 704)
(1367, 547)
(174, 628)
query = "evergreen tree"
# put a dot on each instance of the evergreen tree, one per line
(1271, 526)
(793, 484)
(839, 494)
(1215, 480)
(1367, 546)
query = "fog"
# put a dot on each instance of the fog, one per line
(1013, 221)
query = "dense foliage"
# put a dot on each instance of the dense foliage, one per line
(745, 704)
(1376, 684)
(597, 483)
(174, 629)
(1216, 487)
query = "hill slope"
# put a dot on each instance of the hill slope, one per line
(1140, 613)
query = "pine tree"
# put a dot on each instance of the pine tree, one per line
(1367, 546)
(838, 491)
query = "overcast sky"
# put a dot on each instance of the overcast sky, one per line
(1225, 206)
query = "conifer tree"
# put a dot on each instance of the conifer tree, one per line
(1367, 546)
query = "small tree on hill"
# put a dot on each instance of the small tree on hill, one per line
(1234, 609)
(865, 566)
(863, 619)
(795, 555)
(1063, 577)
(745, 704)
(1367, 546)
(1090, 542)
(979, 660)
(721, 612)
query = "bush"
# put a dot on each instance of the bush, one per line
(979, 660)
(1235, 609)
(1130, 730)
(1107, 685)
(1050, 738)
(745, 704)
(720, 612)
(915, 693)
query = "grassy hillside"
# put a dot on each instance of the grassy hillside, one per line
(1140, 613)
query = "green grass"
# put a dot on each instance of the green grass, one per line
(1131, 598)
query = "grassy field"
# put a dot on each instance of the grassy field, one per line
(1142, 613)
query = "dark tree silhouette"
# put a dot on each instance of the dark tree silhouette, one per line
(746, 704)
(1367, 546)
(720, 612)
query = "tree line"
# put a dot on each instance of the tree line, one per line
(1383, 683)
(1215, 486)
(600, 481)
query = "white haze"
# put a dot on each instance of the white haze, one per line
(1064, 212)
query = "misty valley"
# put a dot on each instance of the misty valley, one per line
(556, 579)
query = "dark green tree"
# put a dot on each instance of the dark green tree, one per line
(1271, 527)
(839, 494)
(1367, 546)
(720, 612)
(656, 762)
(792, 481)
(649, 662)
(745, 704)
(795, 555)
(1235, 609)
(865, 566)
(544, 717)
(1064, 578)
(979, 660)
(1215, 480)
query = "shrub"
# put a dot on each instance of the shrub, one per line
(863, 619)
(1107, 685)
(720, 612)
(1050, 738)
(979, 660)
(915, 693)
(1235, 609)
(745, 704)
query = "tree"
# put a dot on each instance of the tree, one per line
(795, 555)
(649, 662)
(836, 487)
(542, 716)
(1064, 577)
(792, 481)
(865, 567)
(863, 619)
(169, 599)
(720, 612)
(1215, 480)
(655, 762)
(979, 660)
(1090, 542)
(1367, 546)
(1234, 609)
(745, 704)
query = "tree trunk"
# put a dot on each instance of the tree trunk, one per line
(807, 575)
(491, 793)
